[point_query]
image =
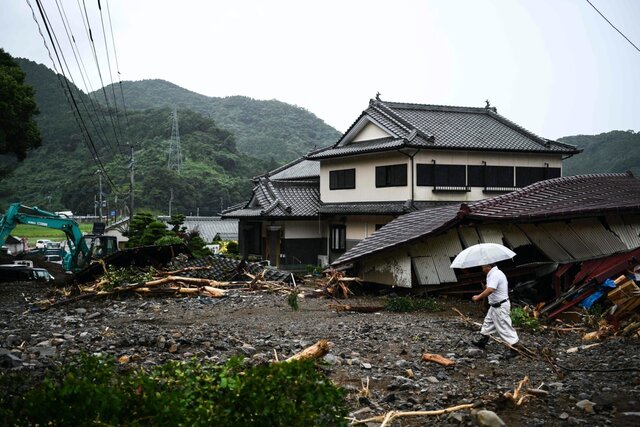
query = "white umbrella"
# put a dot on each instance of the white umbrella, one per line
(482, 254)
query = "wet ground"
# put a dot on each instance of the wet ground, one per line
(375, 356)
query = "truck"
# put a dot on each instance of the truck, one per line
(81, 249)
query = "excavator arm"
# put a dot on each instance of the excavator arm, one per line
(77, 245)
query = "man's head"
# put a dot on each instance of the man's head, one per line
(486, 268)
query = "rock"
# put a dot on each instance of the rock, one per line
(563, 416)
(12, 340)
(586, 405)
(473, 352)
(9, 360)
(366, 365)
(486, 418)
(81, 310)
(94, 315)
(432, 380)
(332, 359)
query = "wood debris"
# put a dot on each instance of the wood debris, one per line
(440, 360)
(315, 351)
(387, 418)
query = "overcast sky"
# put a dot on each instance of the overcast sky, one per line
(555, 66)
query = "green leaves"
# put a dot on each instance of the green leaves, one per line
(93, 391)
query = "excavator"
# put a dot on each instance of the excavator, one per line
(81, 249)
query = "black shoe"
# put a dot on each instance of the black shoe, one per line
(481, 342)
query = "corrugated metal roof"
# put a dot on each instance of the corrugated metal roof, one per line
(569, 240)
(469, 236)
(545, 243)
(490, 233)
(425, 270)
(447, 244)
(597, 237)
(626, 229)
(211, 226)
(514, 236)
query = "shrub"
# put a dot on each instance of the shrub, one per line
(521, 318)
(232, 247)
(92, 391)
(407, 304)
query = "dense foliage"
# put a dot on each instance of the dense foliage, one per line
(61, 175)
(264, 129)
(18, 130)
(93, 391)
(145, 230)
(616, 151)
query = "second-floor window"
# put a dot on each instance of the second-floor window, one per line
(441, 175)
(343, 179)
(491, 176)
(391, 176)
(529, 175)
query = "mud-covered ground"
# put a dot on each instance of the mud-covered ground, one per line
(376, 357)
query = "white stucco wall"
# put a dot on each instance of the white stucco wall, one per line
(370, 131)
(365, 166)
(361, 227)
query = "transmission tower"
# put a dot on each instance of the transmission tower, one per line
(175, 155)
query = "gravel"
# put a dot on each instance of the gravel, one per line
(375, 357)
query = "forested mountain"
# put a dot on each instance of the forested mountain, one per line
(615, 151)
(61, 174)
(265, 129)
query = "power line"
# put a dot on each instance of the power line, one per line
(65, 83)
(614, 27)
(115, 55)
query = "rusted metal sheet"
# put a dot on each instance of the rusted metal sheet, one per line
(545, 243)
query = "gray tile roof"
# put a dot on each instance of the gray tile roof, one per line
(210, 226)
(227, 269)
(443, 127)
(298, 169)
(283, 199)
(566, 197)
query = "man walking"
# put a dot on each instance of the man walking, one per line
(498, 318)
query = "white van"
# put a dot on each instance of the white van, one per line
(56, 259)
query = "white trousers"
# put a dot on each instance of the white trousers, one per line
(499, 320)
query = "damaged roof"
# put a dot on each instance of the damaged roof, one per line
(566, 197)
(440, 127)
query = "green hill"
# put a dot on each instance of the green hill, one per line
(615, 151)
(265, 129)
(61, 174)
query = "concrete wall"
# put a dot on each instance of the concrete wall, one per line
(369, 132)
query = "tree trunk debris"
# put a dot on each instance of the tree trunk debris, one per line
(387, 418)
(315, 351)
(440, 360)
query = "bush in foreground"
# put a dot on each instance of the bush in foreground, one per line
(93, 391)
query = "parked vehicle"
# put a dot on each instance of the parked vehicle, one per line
(21, 273)
(56, 259)
(42, 243)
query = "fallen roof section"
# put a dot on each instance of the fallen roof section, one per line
(555, 199)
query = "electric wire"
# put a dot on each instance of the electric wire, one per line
(101, 135)
(95, 57)
(65, 83)
(115, 55)
(113, 90)
(614, 27)
(88, 87)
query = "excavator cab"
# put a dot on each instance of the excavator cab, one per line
(101, 246)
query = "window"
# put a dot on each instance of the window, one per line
(391, 176)
(338, 238)
(529, 175)
(491, 176)
(343, 179)
(441, 175)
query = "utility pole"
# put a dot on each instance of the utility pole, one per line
(99, 172)
(131, 169)
(170, 201)
(175, 154)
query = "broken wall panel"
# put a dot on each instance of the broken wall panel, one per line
(446, 274)
(569, 240)
(490, 233)
(514, 236)
(425, 270)
(545, 243)
(626, 228)
(597, 237)
(469, 236)
(393, 269)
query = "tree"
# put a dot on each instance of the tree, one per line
(18, 129)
